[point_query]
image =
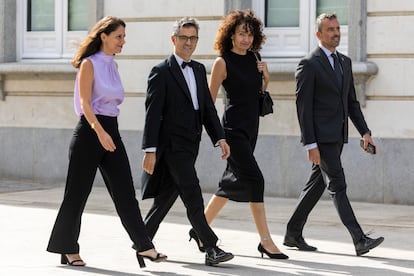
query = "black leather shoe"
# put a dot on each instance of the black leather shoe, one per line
(215, 255)
(365, 244)
(298, 242)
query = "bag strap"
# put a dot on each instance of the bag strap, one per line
(258, 58)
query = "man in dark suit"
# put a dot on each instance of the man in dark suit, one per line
(178, 104)
(325, 98)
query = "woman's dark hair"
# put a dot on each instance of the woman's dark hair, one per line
(92, 43)
(223, 42)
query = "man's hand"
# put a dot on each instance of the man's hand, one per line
(225, 149)
(148, 162)
(314, 156)
(367, 139)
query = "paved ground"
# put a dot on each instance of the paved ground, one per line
(27, 213)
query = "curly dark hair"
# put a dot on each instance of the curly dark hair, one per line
(92, 43)
(223, 42)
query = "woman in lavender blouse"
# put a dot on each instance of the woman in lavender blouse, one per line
(96, 144)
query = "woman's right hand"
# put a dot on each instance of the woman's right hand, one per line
(106, 140)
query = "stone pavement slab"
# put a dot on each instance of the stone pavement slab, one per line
(27, 216)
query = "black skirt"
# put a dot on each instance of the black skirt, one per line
(242, 179)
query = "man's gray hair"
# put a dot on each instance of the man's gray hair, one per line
(323, 17)
(185, 22)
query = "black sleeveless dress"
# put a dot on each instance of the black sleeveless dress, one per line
(242, 179)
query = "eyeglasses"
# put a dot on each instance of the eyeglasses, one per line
(184, 38)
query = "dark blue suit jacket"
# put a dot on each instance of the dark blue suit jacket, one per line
(323, 107)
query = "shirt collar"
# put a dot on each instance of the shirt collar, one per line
(326, 51)
(179, 60)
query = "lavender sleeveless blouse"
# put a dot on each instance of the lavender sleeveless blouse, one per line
(107, 89)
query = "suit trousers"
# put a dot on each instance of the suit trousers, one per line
(87, 155)
(181, 180)
(160, 207)
(331, 169)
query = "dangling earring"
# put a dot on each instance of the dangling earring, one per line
(232, 42)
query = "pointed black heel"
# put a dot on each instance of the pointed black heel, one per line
(193, 235)
(64, 260)
(262, 250)
(160, 258)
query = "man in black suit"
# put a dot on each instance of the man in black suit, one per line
(178, 104)
(325, 98)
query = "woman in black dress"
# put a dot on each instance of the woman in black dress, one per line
(242, 75)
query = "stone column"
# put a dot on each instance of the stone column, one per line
(237, 5)
(357, 30)
(96, 12)
(7, 31)
(7, 36)
(357, 43)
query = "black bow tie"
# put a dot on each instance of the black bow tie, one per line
(184, 64)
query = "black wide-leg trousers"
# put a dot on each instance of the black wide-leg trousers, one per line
(86, 155)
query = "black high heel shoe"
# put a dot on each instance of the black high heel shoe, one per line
(64, 260)
(160, 258)
(193, 235)
(262, 250)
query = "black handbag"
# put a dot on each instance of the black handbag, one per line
(265, 103)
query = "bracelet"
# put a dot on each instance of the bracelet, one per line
(93, 124)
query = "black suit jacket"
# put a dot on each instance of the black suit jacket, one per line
(323, 107)
(170, 120)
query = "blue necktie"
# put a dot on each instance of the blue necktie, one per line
(337, 69)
